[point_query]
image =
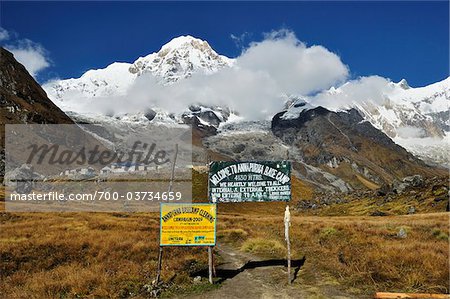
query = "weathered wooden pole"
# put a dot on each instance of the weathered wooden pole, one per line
(158, 275)
(210, 264)
(172, 176)
(213, 263)
(287, 224)
(173, 168)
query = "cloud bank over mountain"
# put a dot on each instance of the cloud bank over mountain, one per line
(254, 84)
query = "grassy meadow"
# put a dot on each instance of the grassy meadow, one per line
(102, 255)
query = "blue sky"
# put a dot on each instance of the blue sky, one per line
(391, 39)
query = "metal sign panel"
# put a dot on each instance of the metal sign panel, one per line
(249, 181)
(188, 225)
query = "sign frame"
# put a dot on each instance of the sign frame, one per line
(287, 164)
(187, 204)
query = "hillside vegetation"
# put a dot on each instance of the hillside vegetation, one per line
(80, 255)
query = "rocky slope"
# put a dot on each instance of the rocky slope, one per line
(345, 145)
(396, 108)
(22, 100)
(416, 118)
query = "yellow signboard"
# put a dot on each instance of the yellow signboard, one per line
(188, 225)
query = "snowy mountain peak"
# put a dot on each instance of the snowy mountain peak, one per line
(186, 41)
(180, 41)
(296, 105)
(403, 84)
(180, 58)
(411, 116)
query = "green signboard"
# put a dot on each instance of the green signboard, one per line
(249, 181)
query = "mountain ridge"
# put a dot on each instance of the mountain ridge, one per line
(408, 115)
(23, 101)
(180, 58)
(345, 145)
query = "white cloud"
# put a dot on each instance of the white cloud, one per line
(410, 132)
(254, 86)
(365, 89)
(295, 67)
(32, 55)
(4, 34)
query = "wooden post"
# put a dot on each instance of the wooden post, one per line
(158, 275)
(210, 264)
(213, 262)
(287, 223)
(173, 168)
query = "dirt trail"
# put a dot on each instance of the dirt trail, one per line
(246, 276)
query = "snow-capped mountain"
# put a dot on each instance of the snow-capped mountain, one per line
(416, 118)
(410, 112)
(396, 108)
(178, 59)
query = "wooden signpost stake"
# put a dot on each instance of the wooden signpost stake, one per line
(213, 264)
(287, 224)
(173, 168)
(211, 269)
(158, 275)
(210, 264)
(172, 176)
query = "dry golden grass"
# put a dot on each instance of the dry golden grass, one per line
(362, 253)
(85, 254)
(100, 255)
(369, 184)
(264, 247)
(368, 206)
(114, 255)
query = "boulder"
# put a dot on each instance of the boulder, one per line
(399, 188)
(402, 234)
(383, 190)
(414, 180)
